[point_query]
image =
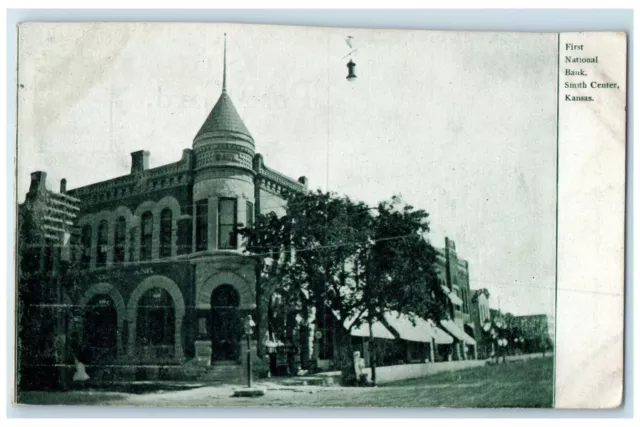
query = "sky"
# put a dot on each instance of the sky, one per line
(462, 125)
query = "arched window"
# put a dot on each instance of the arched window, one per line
(156, 321)
(146, 236)
(119, 240)
(85, 241)
(225, 296)
(103, 248)
(166, 232)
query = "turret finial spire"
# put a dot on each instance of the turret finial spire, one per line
(224, 68)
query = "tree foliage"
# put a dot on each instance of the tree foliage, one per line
(331, 252)
(526, 334)
(400, 265)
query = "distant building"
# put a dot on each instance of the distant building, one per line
(453, 273)
(480, 315)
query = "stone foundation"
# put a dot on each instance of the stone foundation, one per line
(203, 353)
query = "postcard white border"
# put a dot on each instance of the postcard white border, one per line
(497, 20)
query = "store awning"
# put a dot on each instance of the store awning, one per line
(422, 331)
(457, 332)
(362, 330)
(440, 336)
(452, 296)
(379, 331)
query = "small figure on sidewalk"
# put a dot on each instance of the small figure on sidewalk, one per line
(359, 365)
(81, 373)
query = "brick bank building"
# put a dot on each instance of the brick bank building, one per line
(164, 278)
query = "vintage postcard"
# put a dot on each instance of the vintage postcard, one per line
(248, 215)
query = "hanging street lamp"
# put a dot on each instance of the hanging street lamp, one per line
(351, 66)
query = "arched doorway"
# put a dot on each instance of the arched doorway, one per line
(225, 323)
(100, 335)
(155, 325)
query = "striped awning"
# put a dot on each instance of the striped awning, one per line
(378, 329)
(422, 331)
(457, 332)
(362, 330)
(440, 336)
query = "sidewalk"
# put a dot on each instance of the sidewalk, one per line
(386, 374)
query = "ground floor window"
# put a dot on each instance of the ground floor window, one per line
(156, 323)
(100, 331)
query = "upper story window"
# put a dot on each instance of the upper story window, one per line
(459, 295)
(483, 313)
(85, 241)
(250, 215)
(119, 239)
(227, 224)
(103, 247)
(166, 232)
(202, 224)
(146, 236)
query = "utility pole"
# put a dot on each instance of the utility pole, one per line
(248, 329)
(372, 354)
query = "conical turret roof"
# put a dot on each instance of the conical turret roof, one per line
(224, 121)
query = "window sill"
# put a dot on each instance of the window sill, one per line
(217, 252)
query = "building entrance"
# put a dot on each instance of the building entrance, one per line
(225, 324)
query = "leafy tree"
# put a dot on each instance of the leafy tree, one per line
(399, 270)
(330, 252)
(304, 254)
(526, 334)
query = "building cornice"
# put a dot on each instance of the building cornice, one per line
(277, 183)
